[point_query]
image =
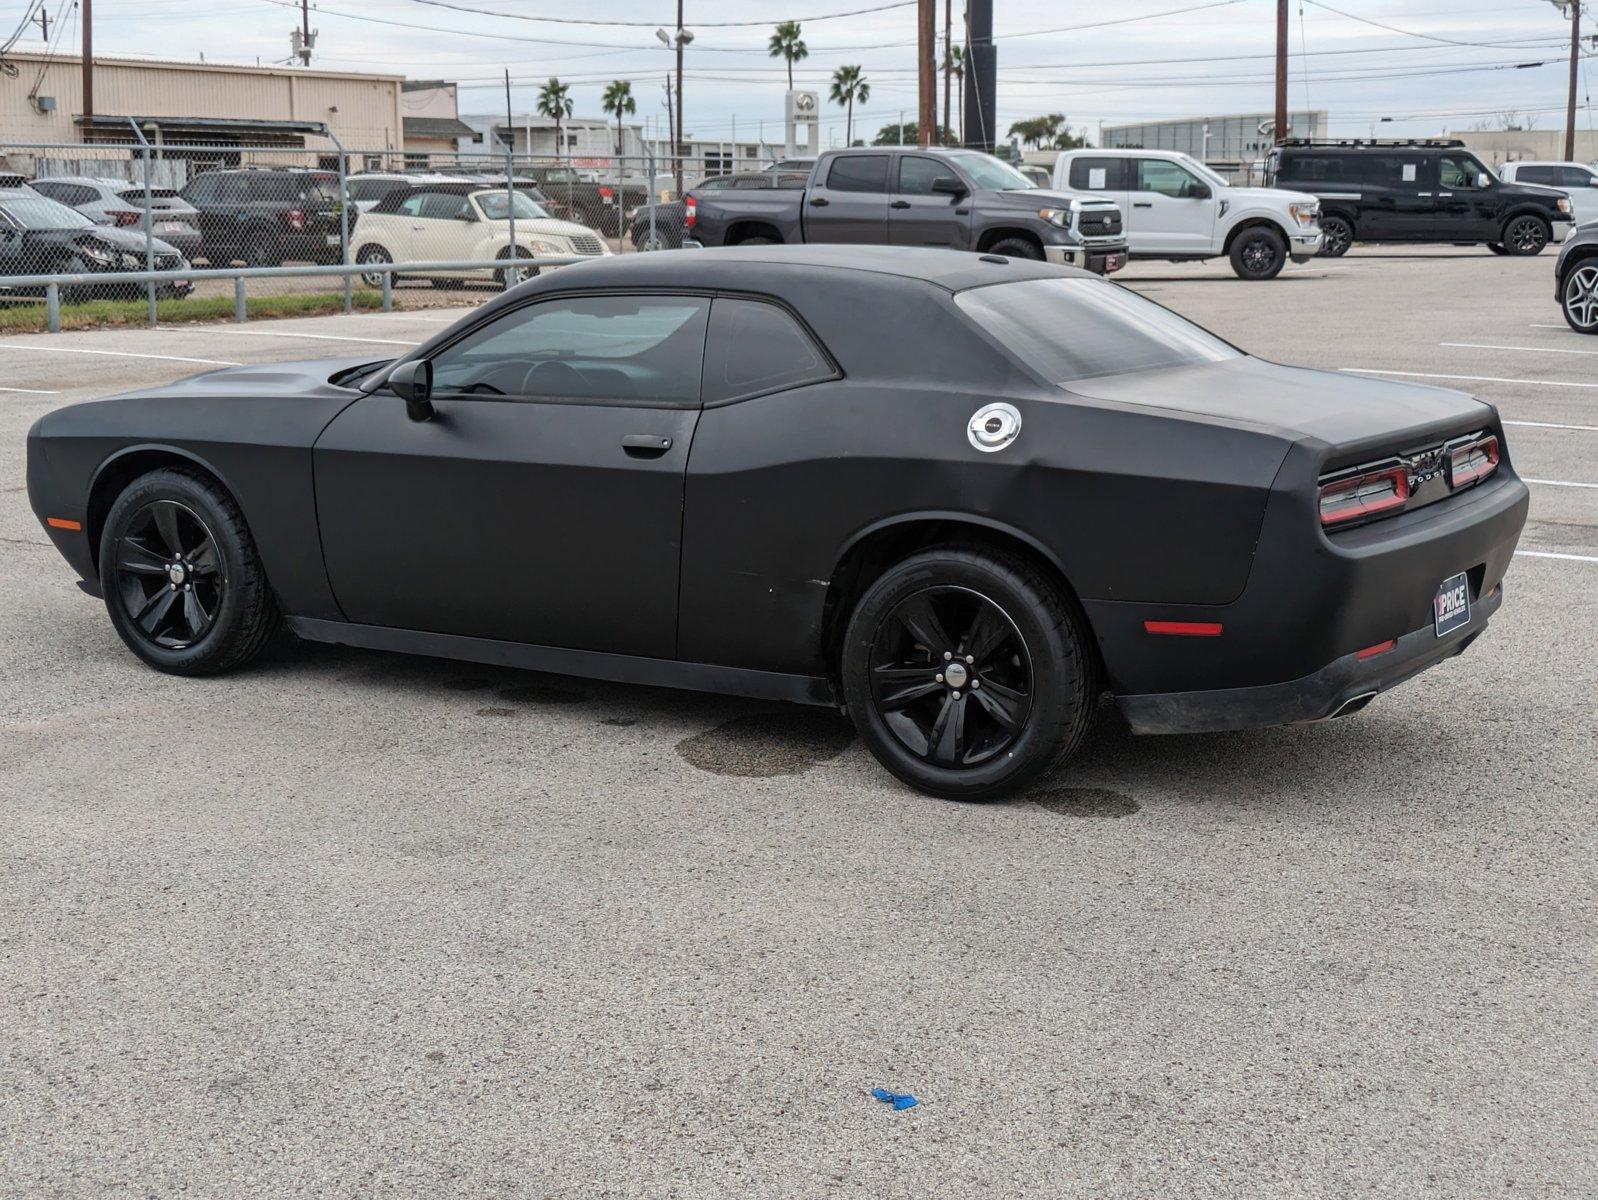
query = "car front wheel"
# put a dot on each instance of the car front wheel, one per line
(1579, 298)
(1259, 253)
(968, 672)
(182, 580)
(1526, 236)
(1338, 237)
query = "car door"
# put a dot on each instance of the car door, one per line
(1170, 209)
(1581, 185)
(1467, 209)
(1397, 200)
(542, 503)
(851, 203)
(440, 225)
(918, 216)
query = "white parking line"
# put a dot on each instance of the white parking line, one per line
(1553, 425)
(1592, 558)
(1558, 482)
(1528, 349)
(29, 391)
(318, 337)
(1468, 378)
(1566, 328)
(204, 362)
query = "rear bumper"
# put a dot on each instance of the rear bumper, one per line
(1331, 691)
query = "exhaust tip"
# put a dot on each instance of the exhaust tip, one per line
(1352, 705)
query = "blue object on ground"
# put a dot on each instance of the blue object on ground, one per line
(897, 1099)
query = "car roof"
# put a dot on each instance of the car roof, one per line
(739, 266)
(91, 180)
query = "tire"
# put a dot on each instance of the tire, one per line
(373, 254)
(509, 277)
(758, 241)
(1259, 253)
(1015, 247)
(944, 736)
(1525, 236)
(261, 249)
(1497, 248)
(182, 579)
(1339, 233)
(1578, 297)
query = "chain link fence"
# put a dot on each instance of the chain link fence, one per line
(224, 231)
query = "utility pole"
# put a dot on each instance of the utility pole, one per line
(948, 63)
(43, 19)
(1575, 56)
(927, 56)
(671, 117)
(88, 62)
(677, 145)
(1280, 130)
(305, 33)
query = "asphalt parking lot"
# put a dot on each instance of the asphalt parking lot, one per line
(360, 924)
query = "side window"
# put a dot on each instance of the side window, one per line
(1535, 174)
(76, 194)
(1577, 177)
(917, 173)
(757, 347)
(1457, 172)
(200, 190)
(1097, 175)
(859, 173)
(638, 350)
(411, 206)
(1395, 171)
(443, 206)
(235, 189)
(52, 191)
(1166, 178)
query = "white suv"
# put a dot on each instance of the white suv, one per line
(1178, 209)
(1578, 182)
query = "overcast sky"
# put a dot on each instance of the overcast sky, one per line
(1439, 66)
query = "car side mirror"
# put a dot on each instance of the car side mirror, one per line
(1199, 191)
(948, 185)
(412, 382)
(1483, 179)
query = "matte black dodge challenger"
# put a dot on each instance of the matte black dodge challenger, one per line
(958, 495)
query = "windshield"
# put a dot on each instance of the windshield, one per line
(989, 173)
(495, 209)
(37, 212)
(1069, 329)
(1202, 171)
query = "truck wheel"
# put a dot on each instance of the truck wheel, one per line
(1526, 236)
(1497, 248)
(1014, 247)
(968, 673)
(757, 241)
(1339, 237)
(1259, 253)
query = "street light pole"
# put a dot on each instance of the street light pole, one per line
(1280, 131)
(677, 148)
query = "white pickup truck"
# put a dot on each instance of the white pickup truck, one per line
(1178, 209)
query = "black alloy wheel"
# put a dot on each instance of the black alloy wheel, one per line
(1259, 254)
(1339, 236)
(169, 574)
(1526, 236)
(951, 677)
(968, 671)
(182, 580)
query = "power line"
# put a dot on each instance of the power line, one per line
(1405, 32)
(856, 12)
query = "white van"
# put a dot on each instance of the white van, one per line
(1178, 209)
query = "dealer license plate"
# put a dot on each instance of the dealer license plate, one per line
(174, 227)
(1114, 262)
(1451, 605)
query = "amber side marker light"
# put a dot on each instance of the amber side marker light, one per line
(1378, 648)
(1184, 628)
(62, 523)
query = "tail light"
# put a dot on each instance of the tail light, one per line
(606, 194)
(1354, 499)
(1472, 462)
(126, 218)
(294, 218)
(690, 212)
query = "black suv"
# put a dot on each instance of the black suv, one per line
(265, 217)
(1431, 191)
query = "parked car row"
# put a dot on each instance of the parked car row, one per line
(39, 236)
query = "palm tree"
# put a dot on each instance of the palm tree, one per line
(956, 68)
(848, 85)
(785, 43)
(618, 100)
(554, 100)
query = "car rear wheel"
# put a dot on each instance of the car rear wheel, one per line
(182, 580)
(1259, 253)
(968, 673)
(1579, 298)
(1339, 236)
(1525, 236)
(373, 254)
(1015, 247)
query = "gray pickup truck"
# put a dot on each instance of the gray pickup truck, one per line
(960, 199)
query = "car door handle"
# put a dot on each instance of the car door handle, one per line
(1442, 195)
(1426, 194)
(645, 445)
(819, 202)
(900, 204)
(1142, 204)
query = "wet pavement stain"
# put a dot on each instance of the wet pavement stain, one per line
(762, 745)
(1084, 802)
(543, 693)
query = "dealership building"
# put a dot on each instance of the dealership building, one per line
(1227, 143)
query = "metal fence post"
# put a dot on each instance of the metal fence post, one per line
(52, 307)
(649, 166)
(388, 291)
(241, 312)
(149, 221)
(515, 252)
(344, 219)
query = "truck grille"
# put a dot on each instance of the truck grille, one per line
(585, 243)
(1098, 222)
